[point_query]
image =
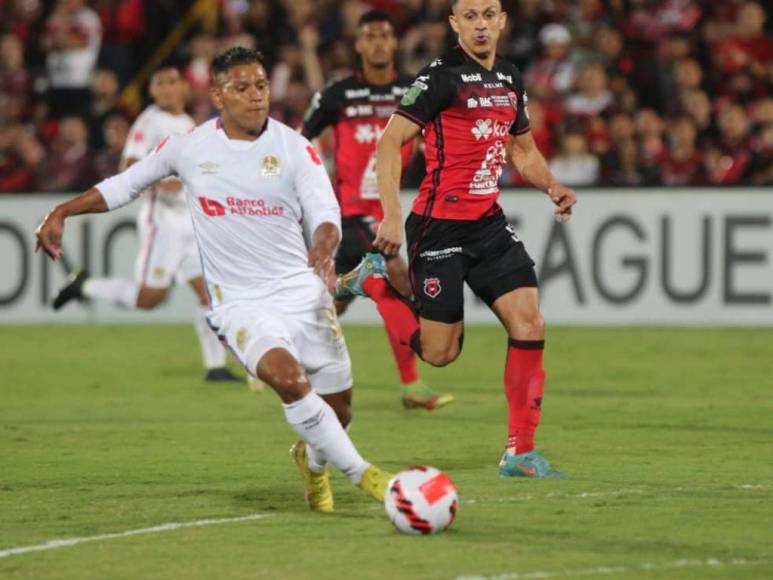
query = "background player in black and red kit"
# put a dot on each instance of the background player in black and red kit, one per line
(471, 107)
(358, 108)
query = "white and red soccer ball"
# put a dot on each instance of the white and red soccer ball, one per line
(421, 500)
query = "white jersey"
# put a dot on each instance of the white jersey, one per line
(248, 200)
(149, 129)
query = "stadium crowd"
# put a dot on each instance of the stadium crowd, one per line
(621, 92)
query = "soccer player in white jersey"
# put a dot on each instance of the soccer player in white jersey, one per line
(168, 249)
(252, 184)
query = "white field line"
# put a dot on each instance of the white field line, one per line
(620, 570)
(169, 527)
(617, 492)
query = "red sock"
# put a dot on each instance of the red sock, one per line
(396, 312)
(405, 360)
(524, 381)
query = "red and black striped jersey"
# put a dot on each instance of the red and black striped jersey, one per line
(358, 112)
(467, 114)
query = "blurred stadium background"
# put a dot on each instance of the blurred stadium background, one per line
(633, 96)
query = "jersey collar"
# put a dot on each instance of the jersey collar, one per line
(239, 143)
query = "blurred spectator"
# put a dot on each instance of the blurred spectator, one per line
(682, 164)
(21, 18)
(592, 96)
(649, 130)
(697, 106)
(575, 165)
(104, 102)
(602, 73)
(748, 48)
(730, 161)
(70, 165)
(554, 73)
(115, 130)
(520, 39)
(123, 25)
(14, 77)
(621, 166)
(72, 39)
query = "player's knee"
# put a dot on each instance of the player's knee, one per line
(440, 357)
(530, 325)
(289, 386)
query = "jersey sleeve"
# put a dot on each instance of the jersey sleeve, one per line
(315, 192)
(125, 187)
(322, 113)
(521, 124)
(140, 140)
(430, 93)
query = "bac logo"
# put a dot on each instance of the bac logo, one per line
(211, 207)
(313, 154)
(432, 287)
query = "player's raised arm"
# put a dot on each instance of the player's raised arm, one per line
(107, 195)
(389, 169)
(530, 163)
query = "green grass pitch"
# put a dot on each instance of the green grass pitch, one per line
(667, 435)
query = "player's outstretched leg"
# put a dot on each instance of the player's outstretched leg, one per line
(442, 341)
(369, 279)
(524, 384)
(316, 423)
(415, 393)
(81, 287)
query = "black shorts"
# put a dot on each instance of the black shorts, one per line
(444, 254)
(358, 233)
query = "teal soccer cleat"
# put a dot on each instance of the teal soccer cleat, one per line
(531, 464)
(350, 284)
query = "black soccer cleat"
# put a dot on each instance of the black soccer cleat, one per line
(73, 290)
(221, 375)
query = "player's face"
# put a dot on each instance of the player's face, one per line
(376, 44)
(478, 24)
(168, 89)
(242, 94)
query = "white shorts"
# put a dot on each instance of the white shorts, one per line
(168, 249)
(251, 328)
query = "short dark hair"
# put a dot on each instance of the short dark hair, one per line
(234, 57)
(375, 16)
(167, 63)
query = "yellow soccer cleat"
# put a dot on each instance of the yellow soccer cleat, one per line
(317, 490)
(374, 482)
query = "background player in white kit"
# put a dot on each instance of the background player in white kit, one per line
(250, 182)
(168, 250)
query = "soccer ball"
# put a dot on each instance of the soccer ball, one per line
(421, 500)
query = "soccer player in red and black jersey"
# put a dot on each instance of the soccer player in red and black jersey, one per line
(358, 108)
(470, 106)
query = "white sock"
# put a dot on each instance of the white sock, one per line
(212, 351)
(315, 460)
(117, 290)
(317, 424)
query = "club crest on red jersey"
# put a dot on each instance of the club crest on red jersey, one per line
(432, 287)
